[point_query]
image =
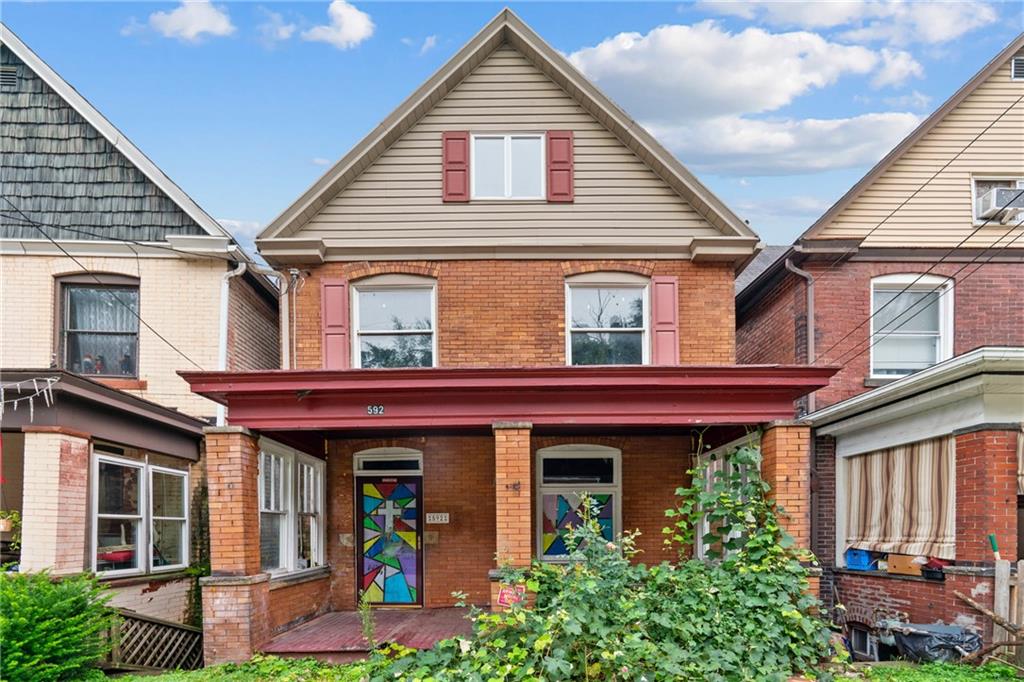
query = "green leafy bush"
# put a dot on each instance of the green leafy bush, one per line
(744, 616)
(941, 672)
(263, 668)
(51, 629)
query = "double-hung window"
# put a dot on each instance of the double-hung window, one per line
(140, 519)
(607, 323)
(911, 323)
(291, 509)
(394, 323)
(507, 166)
(100, 329)
(564, 474)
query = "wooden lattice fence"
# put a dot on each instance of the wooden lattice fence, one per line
(146, 643)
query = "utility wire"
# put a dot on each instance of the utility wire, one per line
(932, 267)
(35, 223)
(873, 341)
(99, 281)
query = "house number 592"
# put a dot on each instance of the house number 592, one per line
(374, 410)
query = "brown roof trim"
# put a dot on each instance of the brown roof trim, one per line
(507, 27)
(959, 96)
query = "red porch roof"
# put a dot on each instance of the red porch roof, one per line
(478, 397)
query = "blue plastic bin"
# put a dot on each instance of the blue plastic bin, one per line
(859, 560)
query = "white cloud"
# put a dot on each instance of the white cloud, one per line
(192, 20)
(429, 43)
(133, 27)
(320, 161)
(244, 231)
(897, 66)
(349, 26)
(703, 70)
(733, 145)
(706, 94)
(275, 29)
(792, 207)
(893, 21)
(915, 100)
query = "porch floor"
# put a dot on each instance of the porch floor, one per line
(338, 637)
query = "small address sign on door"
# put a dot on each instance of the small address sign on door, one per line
(374, 410)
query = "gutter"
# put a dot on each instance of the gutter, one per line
(810, 319)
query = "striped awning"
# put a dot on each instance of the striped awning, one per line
(901, 499)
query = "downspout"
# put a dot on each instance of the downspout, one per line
(810, 319)
(222, 348)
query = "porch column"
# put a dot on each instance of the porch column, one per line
(236, 595)
(55, 502)
(986, 492)
(513, 487)
(786, 467)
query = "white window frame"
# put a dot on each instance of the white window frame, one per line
(1013, 62)
(183, 475)
(601, 280)
(575, 451)
(508, 137)
(391, 283)
(143, 541)
(917, 283)
(975, 179)
(290, 540)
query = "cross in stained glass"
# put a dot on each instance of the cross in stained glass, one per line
(390, 511)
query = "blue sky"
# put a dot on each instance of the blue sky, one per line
(778, 107)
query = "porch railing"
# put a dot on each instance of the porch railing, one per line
(145, 643)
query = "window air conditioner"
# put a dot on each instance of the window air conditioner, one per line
(998, 199)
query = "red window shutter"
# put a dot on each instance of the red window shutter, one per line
(455, 166)
(334, 323)
(560, 166)
(665, 320)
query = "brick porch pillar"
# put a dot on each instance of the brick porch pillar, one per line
(236, 595)
(513, 486)
(986, 492)
(55, 500)
(786, 467)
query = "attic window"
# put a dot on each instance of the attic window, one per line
(8, 78)
(1017, 69)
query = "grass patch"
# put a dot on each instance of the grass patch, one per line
(262, 668)
(941, 672)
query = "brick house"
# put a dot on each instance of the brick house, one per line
(511, 294)
(113, 279)
(912, 285)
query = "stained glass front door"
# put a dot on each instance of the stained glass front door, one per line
(390, 545)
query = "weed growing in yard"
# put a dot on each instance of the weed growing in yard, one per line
(941, 672)
(746, 615)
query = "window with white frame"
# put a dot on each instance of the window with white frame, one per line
(291, 509)
(998, 199)
(911, 323)
(394, 322)
(507, 166)
(564, 474)
(140, 516)
(608, 320)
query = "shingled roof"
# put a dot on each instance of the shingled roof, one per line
(62, 164)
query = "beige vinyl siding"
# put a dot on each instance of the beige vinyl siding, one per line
(941, 214)
(397, 200)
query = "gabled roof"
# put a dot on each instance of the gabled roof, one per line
(507, 27)
(914, 137)
(114, 136)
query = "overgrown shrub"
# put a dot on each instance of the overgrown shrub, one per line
(51, 629)
(746, 615)
(942, 672)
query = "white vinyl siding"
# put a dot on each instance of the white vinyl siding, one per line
(396, 200)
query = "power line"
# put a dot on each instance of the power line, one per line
(872, 341)
(931, 268)
(99, 281)
(36, 223)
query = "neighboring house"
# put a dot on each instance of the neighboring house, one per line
(512, 294)
(113, 279)
(913, 282)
